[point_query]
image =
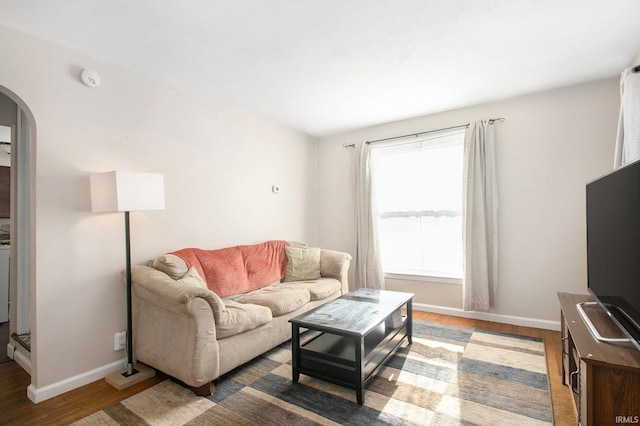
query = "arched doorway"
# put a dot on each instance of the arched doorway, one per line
(21, 230)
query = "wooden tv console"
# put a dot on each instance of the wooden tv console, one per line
(604, 377)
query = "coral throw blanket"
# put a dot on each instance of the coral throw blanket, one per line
(238, 269)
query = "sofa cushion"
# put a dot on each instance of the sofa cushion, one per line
(303, 263)
(318, 289)
(280, 300)
(239, 317)
(171, 265)
(231, 317)
(238, 269)
(192, 278)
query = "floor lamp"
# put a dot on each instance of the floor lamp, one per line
(127, 192)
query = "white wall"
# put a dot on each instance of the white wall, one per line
(218, 162)
(549, 147)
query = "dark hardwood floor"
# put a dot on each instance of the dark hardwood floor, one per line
(17, 409)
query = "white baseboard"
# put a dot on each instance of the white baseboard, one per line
(10, 349)
(488, 316)
(22, 360)
(18, 354)
(41, 394)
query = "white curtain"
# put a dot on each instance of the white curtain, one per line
(480, 214)
(628, 139)
(368, 271)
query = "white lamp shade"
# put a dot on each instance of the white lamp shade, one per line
(127, 191)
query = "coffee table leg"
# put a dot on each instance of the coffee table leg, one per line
(359, 343)
(295, 352)
(409, 320)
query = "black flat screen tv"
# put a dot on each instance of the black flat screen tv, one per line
(613, 246)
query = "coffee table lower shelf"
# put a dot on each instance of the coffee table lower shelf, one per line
(350, 361)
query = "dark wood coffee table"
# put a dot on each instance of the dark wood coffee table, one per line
(360, 331)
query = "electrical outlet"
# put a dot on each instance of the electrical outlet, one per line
(119, 340)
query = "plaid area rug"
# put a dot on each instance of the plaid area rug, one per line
(450, 375)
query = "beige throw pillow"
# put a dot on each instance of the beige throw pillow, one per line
(303, 263)
(171, 265)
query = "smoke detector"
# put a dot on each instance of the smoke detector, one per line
(90, 78)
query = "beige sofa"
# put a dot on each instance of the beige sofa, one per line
(184, 328)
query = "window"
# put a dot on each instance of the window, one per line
(418, 197)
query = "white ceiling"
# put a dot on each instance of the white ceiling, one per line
(325, 66)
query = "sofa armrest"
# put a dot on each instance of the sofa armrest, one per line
(174, 326)
(335, 264)
(159, 288)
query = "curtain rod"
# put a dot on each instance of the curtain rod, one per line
(491, 121)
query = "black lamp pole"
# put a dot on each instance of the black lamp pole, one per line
(130, 370)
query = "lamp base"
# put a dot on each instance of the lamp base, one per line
(121, 380)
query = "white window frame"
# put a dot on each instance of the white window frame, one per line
(429, 276)
(432, 278)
